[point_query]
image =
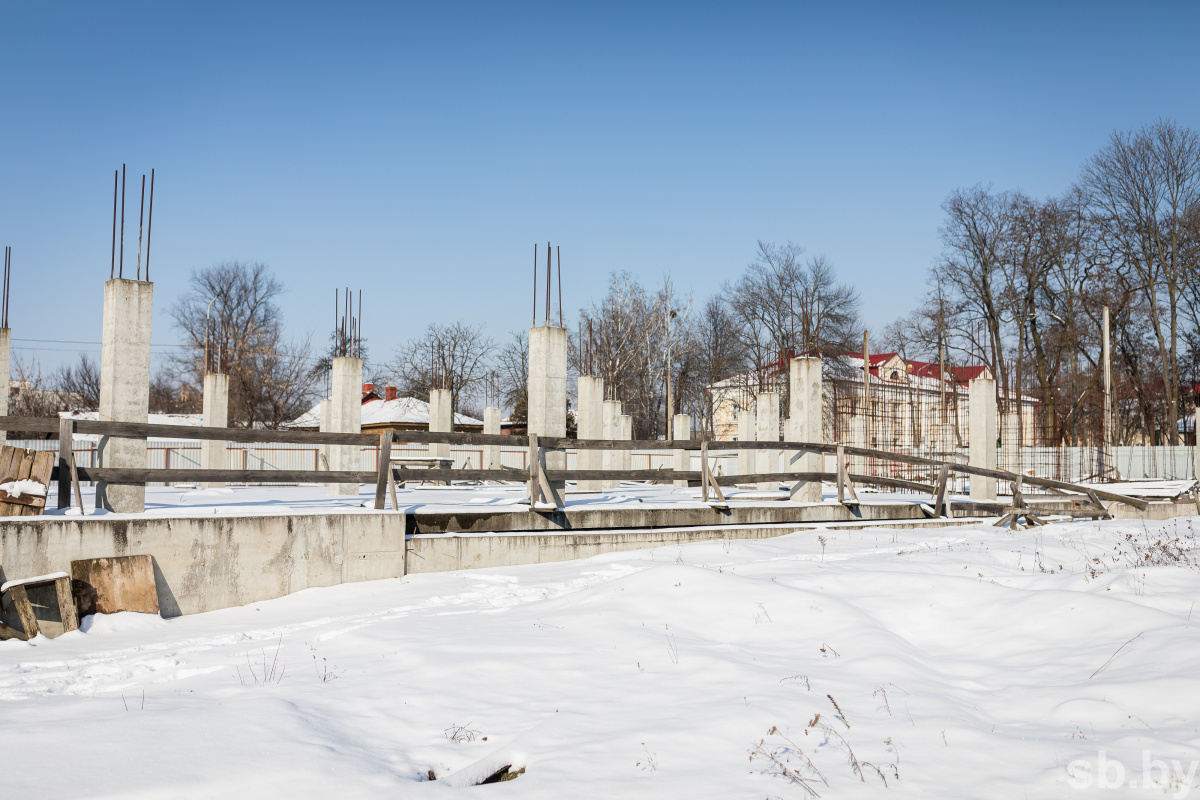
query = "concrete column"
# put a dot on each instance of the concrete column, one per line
(804, 418)
(491, 426)
(323, 459)
(345, 416)
(441, 420)
(766, 419)
(858, 438)
(216, 415)
(681, 430)
(747, 432)
(548, 390)
(591, 426)
(5, 355)
(610, 418)
(625, 457)
(981, 443)
(124, 385)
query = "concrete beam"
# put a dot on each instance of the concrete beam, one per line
(610, 413)
(747, 432)
(5, 356)
(124, 385)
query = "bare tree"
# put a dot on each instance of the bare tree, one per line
(1144, 189)
(230, 316)
(450, 356)
(79, 384)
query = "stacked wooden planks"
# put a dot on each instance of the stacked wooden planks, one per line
(17, 464)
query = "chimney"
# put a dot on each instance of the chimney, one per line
(389, 393)
(368, 388)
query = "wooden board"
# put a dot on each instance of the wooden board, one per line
(108, 585)
(43, 463)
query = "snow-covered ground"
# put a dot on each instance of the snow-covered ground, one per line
(952, 662)
(236, 500)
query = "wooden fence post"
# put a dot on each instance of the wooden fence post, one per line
(66, 435)
(384, 468)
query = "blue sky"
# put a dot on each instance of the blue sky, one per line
(418, 151)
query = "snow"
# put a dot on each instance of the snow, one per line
(18, 488)
(969, 661)
(53, 576)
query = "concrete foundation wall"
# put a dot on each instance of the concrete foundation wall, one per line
(981, 442)
(216, 415)
(590, 422)
(124, 385)
(208, 562)
(205, 563)
(345, 416)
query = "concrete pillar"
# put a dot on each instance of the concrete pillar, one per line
(216, 415)
(591, 426)
(548, 391)
(857, 437)
(5, 355)
(766, 418)
(124, 385)
(804, 419)
(747, 432)
(681, 430)
(326, 409)
(610, 418)
(491, 426)
(625, 433)
(345, 416)
(441, 420)
(981, 415)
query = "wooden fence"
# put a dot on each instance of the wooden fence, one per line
(542, 483)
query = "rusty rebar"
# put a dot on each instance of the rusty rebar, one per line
(150, 224)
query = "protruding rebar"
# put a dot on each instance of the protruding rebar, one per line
(141, 219)
(558, 252)
(121, 263)
(150, 224)
(534, 284)
(549, 275)
(112, 270)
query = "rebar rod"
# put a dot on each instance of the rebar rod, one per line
(150, 224)
(535, 284)
(112, 270)
(141, 219)
(558, 252)
(121, 263)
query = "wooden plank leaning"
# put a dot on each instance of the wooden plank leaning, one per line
(384, 470)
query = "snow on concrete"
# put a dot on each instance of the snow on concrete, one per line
(953, 662)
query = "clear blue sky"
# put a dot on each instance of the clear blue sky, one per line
(418, 151)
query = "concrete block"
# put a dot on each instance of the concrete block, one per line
(610, 414)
